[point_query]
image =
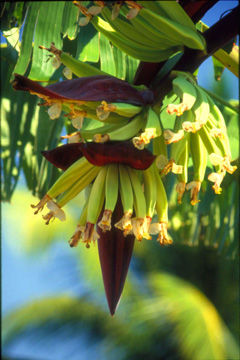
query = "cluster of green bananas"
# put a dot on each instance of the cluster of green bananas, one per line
(200, 132)
(109, 182)
(152, 31)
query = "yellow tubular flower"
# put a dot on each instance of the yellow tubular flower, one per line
(139, 228)
(160, 229)
(41, 203)
(194, 186)
(73, 242)
(180, 188)
(90, 234)
(105, 223)
(125, 223)
(223, 162)
(178, 109)
(172, 137)
(55, 211)
(55, 111)
(217, 178)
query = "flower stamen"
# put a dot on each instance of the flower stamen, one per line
(217, 178)
(89, 235)
(160, 229)
(177, 109)
(105, 223)
(180, 189)
(73, 242)
(41, 203)
(125, 223)
(172, 137)
(194, 186)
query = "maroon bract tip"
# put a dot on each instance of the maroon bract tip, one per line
(115, 252)
(92, 88)
(63, 156)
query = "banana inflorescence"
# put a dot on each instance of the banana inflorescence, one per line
(199, 132)
(105, 110)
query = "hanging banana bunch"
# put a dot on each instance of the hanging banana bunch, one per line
(146, 30)
(200, 129)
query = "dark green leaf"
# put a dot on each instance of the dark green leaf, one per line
(27, 38)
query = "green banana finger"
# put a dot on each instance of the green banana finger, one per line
(122, 109)
(217, 127)
(174, 11)
(89, 134)
(186, 91)
(142, 53)
(139, 199)
(127, 30)
(178, 148)
(153, 37)
(199, 156)
(125, 132)
(140, 223)
(79, 68)
(111, 196)
(152, 130)
(77, 169)
(96, 197)
(161, 199)
(174, 30)
(159, 146)
(150, 190)
(209, 141)
(201, 107)
(221, 142)
(126, 193)
(183, 161)
(78, 186)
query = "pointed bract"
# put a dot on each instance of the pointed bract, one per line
(115, 252)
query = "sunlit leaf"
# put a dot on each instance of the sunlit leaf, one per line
(70, 20)
(198, 327)
(48, 30)
(88, 44)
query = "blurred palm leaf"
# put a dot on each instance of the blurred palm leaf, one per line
(175, 316)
